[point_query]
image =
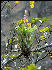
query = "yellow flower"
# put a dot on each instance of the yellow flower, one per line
(26, 20)
(51, 56)
(42, 37)
(17, 2)
(29, 25)
(31, 2)
(32, 5)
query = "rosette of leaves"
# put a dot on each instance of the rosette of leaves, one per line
(25, 36)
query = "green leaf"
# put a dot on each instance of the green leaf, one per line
(45, 19)
(33, 49)
(19, 22)
(38, 52)
(3, 56)
(23, 68)
(42, 37)
(11, 30)
(32, 29)
(33, 21)
(35, 27)
(50, 25)
(13, 55)
(32, 18)
(10, 41)
(32, 67)
(16, 24)
(41, 30)
(19, 30)
(45, 29)
(37, 19)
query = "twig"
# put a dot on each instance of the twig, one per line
(42, 48)
(42, 58)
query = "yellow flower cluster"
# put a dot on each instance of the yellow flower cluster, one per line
(17, 2)
(42, 37)
(32, 4)
(29, 25)
(26, 20)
